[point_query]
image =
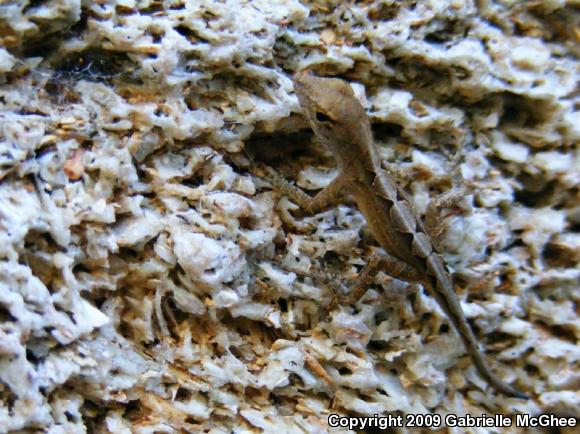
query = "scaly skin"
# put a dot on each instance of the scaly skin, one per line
(340, 122)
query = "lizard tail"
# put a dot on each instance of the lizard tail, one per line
(483, 367)
(468, 338)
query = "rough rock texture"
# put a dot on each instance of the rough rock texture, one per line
(149, 283)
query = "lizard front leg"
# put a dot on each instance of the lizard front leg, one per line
(329, 196)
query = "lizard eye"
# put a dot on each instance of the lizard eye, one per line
(321, 117)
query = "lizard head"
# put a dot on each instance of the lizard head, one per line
(335, 114)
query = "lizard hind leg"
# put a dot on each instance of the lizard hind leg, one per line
(396, 268)
(455, 202)
(390, 265)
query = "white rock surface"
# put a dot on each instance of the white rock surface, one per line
(149, 284)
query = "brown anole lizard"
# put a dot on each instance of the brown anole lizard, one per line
(339, 121)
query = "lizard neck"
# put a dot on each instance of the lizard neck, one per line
(359, 161)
